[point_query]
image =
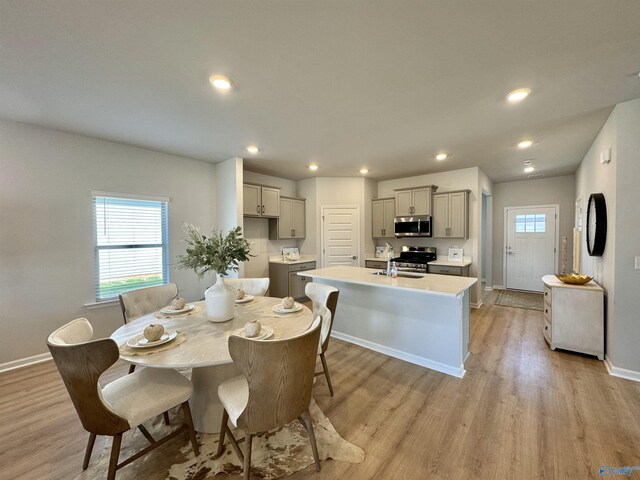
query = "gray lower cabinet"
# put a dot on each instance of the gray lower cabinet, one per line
(449, 270)
(285, 281)
(375, 264)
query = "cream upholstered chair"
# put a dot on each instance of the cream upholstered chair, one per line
(124, 403)
(137, 303)
(275, 388)
(251, 286)
(325, 300)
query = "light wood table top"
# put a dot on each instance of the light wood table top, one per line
(206, 343)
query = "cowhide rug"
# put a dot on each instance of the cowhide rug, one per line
(274, 454)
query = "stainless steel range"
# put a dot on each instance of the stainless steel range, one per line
(415, 259)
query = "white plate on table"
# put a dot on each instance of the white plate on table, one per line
(265, 332)
(279, 308)
(140, 342)
(245, 299)
(172, 311)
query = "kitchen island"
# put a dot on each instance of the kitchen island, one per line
(420, 318)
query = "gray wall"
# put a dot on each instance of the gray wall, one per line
(615, 271)
(544, 191)
(46, 225)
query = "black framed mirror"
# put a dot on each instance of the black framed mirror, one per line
(596, 224)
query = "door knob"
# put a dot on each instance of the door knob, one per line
(354, 257)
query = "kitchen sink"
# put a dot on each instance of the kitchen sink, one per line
(401, 274)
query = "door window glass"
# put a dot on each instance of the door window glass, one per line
(531, 223)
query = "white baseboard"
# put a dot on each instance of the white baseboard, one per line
(499, 287)
(476, 305)
(23, 362)
(621, 372)
(488, 289)
(407, 357)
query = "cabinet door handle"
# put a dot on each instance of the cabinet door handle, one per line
(263, 209)
(546, 310)
(294, 232)
(258, 209)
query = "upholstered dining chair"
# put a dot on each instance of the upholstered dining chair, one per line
(121, 405)
(324, 299)
(251, 286)
(275, 389)
(137, 303)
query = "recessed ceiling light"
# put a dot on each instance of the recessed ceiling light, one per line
(364, 170)
(313, 167)
(441, 156)
(220, 82)
(518, 95)
(252, 149)
(529, 169)
(525, 144)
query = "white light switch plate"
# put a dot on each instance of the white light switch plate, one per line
(637, 263)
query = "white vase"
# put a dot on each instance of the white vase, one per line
(220, 300)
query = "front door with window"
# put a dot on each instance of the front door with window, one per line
(530, 246)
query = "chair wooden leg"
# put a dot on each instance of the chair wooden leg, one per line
(192, 433)
(247, 457)
(146, 434)
(87, 453)
(234, 444)
(166, 418)
(115, 454)
(223, 430)
(326, 372)
(307, 423)
(131, 368)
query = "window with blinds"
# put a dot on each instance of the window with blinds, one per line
(131, 244)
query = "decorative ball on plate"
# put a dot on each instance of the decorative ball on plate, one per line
(178, 303)
(240, 293)
(252, 328)
(153, 332)
(288, 302)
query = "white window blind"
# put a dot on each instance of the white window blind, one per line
(130, 240)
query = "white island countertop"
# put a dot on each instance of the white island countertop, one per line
(448, 285)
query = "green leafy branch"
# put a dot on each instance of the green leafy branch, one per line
(214, 253)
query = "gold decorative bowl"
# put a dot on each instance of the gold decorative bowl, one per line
(573, 278)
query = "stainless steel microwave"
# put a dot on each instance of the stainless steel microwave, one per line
(416, 226)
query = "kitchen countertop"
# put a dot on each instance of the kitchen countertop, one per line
(445, 262)
(302, 259)
(422, 283)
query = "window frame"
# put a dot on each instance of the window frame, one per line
(96, 248)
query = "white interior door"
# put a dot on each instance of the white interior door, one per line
(340, 236)
(530, 246)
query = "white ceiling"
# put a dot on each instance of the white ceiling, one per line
(384, 84)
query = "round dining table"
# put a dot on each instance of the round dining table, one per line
(204, 348)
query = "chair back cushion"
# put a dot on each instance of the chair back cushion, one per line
(140, 302)
(325, 301)
(251, 286)
(280, 376)
(80, 362)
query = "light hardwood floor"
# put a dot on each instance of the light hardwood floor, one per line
(521, 412)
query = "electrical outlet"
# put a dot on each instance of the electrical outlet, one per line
(637, 263)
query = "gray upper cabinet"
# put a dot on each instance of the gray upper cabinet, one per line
(291, 222)
(261, 201)
(451, 214)
(382, 211)
(414, 201)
